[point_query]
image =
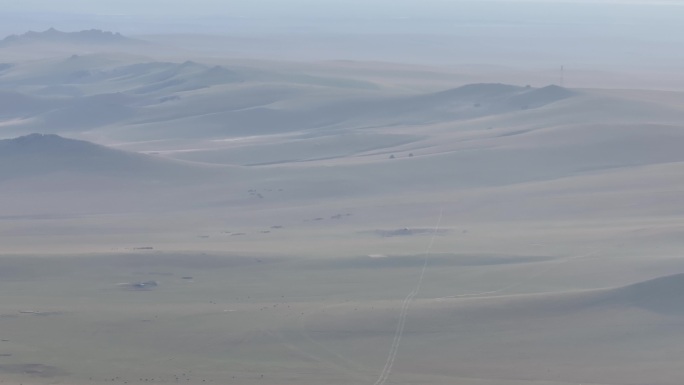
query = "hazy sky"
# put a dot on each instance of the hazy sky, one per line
(321, 8)
(622, 17)
(627, 30)
(498, 11)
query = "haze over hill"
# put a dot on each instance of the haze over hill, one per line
(147, 95)
(286, 130)
(434, 193)
(53, 36)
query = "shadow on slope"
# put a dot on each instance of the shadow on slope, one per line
(89, 112)
(17, 105)
(38, 155)
(661, 295)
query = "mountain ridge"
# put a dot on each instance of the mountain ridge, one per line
(52, 35)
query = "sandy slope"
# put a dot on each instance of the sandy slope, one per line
(557, 261)
(620, 335)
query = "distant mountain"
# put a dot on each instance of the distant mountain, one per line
(38, 155)
(92, 36)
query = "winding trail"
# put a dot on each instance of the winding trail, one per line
(399, 332)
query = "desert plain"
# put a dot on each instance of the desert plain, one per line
(187, 214)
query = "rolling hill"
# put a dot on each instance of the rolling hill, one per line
(579, 336)
(39, 155)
